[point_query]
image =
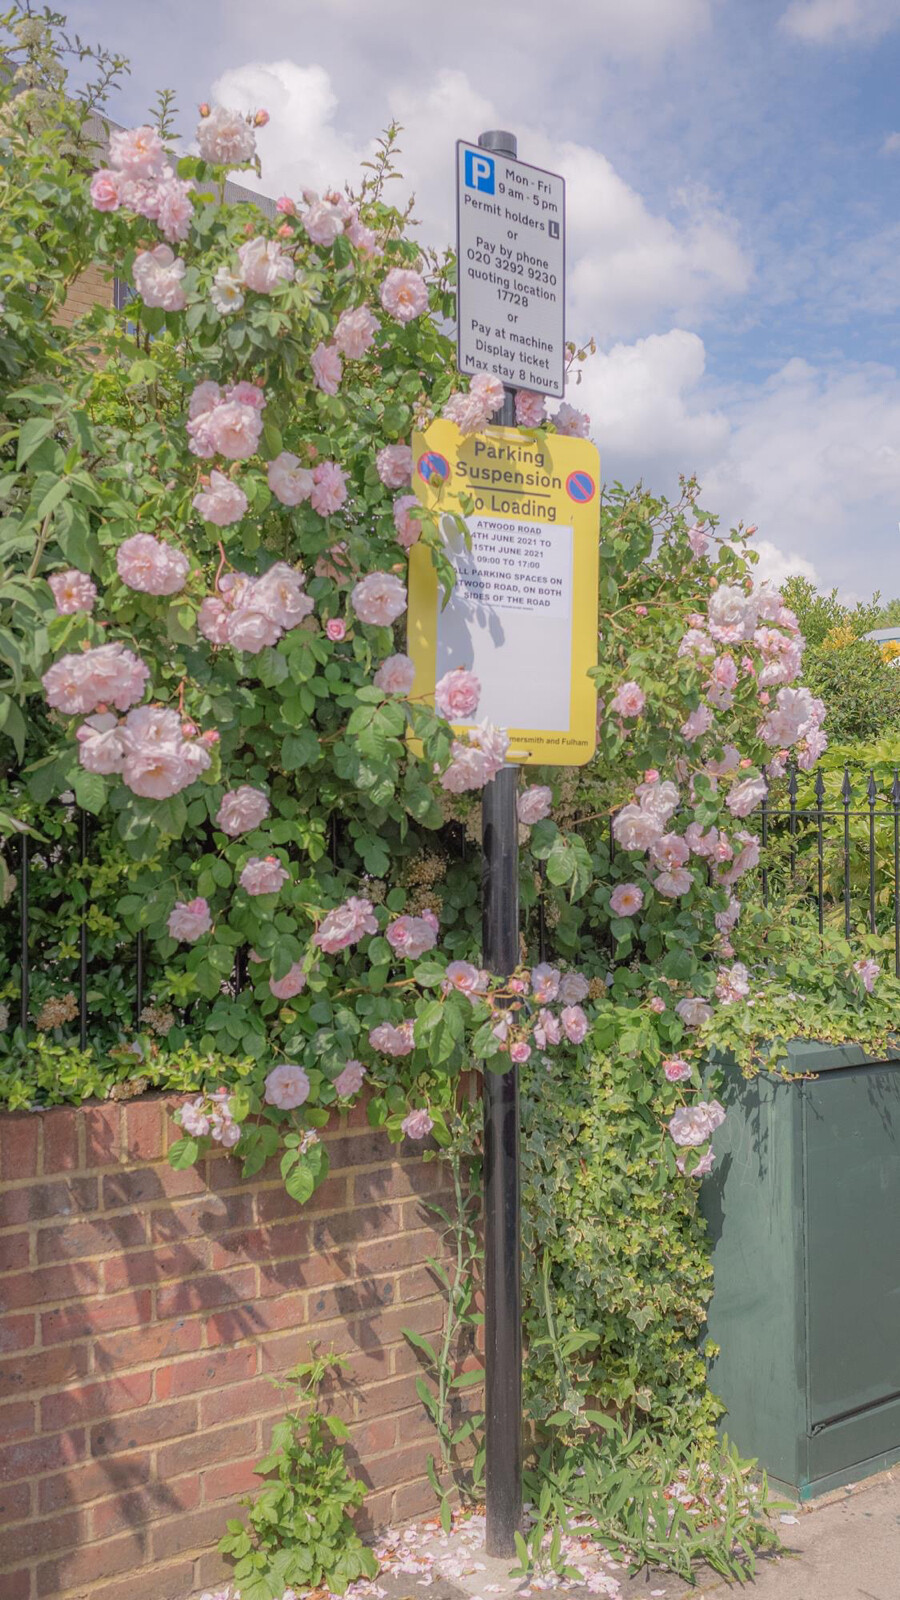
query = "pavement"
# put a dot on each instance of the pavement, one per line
(845, 1546)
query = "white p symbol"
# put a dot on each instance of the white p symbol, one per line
(480, 172)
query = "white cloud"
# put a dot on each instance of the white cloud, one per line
(891, 145)
(807, 456)
(629, 267)
(776, 567)
(821, 21)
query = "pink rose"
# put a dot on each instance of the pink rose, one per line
(693, 1125)
(345, 925)
(151, 565)
(362, 238)
(138, 152)
(547, 1030)
(411, 937)
(289, 482)
(355, 332)
(293, 982)
(673, 884)
(379, 599)
(574, 424)
(746, 796)
(658, 1005)
(404, 294)
(226, 138)
(574, 1023)
(286, 205)
(519, 1051)
(544, 983)
(105, 190)
(698, 723)
(174, 212)
(417, 1125)
(327, 369)
(189, 920)
(100, 746)
(732, 983)
(336, 629)
(693, 1011)
(222, 503)
(701, 1168)
(394, 465)
(72, 591)
(251, 630)
(322, 223)
(279, 594)
(676, 1070)
(110, 674)
(263, 266)
(350, 1080)
(531, 409)
(629, 700)
(534, 804)
(393, 1041)
(408, 527)
(867, 970)
(461, 975)
(626, 899)
(456, 694)
(241, 809)
(159, 761)
(669, 851)
(474, 764)
(396, 675)
(698, 539)
(212, 620)
(329, 488)
(287, 1087)
(263, 875)
(573, 988)
(157, 277)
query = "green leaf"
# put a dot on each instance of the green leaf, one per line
(90, 790)
(32, 433)
(184, 1153)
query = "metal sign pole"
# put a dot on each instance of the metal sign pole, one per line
(502, 1247)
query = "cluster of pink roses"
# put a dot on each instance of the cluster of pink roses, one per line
(475, 763)
(324, 486)
(210, 1117)
(225, 422)
(155, 752)
(473, 410)
(139, 179)
(94, 679)
(327, 218)
(251, 613)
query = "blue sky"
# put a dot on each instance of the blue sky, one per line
(733, 172)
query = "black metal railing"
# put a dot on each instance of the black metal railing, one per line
(834, 849)
(840, 849)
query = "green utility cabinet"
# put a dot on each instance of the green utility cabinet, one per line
(804, 1212)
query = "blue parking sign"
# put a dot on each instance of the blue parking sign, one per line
(479, 171)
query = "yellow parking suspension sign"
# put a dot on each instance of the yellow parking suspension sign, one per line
(523, 613)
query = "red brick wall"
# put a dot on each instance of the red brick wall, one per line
(141, 1310)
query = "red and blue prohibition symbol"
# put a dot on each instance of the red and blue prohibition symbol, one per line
(580, 487)
(434, 465)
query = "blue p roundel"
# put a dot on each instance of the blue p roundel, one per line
(580, 487)
(434, 465)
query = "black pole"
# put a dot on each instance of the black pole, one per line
(502, 1246)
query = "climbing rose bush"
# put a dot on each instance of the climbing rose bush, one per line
(219, 514)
